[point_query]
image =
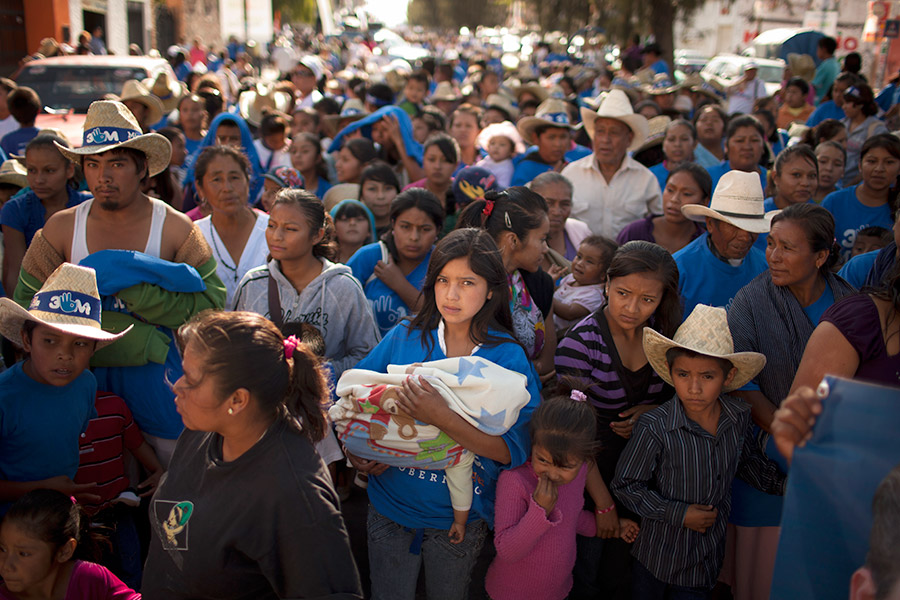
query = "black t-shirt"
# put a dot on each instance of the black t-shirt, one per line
(266, 525)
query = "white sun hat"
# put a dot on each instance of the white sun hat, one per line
(615, 105)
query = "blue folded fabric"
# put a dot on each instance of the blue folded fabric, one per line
(364, 125)
(120, 269)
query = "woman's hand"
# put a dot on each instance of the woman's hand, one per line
(793, 422)
(392, 125)
(148, 486)
(421, 401)
(390, 274)
(624, 428)
(369, 467)
(607, 524)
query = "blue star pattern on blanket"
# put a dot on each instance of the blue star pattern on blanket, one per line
(492, 424)
(467, 368)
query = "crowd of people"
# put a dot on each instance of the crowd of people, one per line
(579, 306)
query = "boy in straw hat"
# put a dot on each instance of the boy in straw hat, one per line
(549, 132)
(47, 399)
(678, 467)
(149, 286)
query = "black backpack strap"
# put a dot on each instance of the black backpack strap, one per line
(275, 303)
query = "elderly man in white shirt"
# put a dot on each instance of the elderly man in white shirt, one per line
(611, 188)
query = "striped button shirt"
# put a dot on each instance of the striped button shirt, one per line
(670, 463)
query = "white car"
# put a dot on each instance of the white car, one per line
(728, 68)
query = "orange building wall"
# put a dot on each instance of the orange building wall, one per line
(45, 19)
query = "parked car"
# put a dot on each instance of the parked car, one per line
(68, 84)
(728, 68)
(690, 61)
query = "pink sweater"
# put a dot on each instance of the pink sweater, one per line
(536, 553)
(90, 581)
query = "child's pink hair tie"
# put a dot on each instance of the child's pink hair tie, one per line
(578, 396)
(290, 344)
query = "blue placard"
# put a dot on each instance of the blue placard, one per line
(828, 505)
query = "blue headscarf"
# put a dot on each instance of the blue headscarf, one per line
(413, 148)
(247, 147)
(342, 203)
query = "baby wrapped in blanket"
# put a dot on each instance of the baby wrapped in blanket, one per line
(371, 424)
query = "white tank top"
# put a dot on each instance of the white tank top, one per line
(79, 233)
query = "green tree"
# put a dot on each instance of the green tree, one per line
(296, 11)
(453, 14)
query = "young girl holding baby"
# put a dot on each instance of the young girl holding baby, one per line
(39, 543)
(540, 505)
(465, 312)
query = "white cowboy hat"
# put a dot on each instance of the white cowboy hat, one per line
(615, 105)
(14, 173)
(254, 101)
(705, 332)
(68, 302)
(535, 89)
(110, 125)
(137, 91)
(168, 90)
(738, 200)
(656, 131)
(552, 112)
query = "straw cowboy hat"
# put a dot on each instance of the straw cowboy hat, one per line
(660, 84)
(552, 112)
(68, 302)
(656, 132)
(168, 90)
(137, 91)
(535, 89)
(110, 125)
(502, 103)
(353, 110)
(706, 332)
(738, 200)
(254, 101)
(616, 106)
(802, 66)
(341, 191)
(444, 92)
(712, 89)
(13, 172)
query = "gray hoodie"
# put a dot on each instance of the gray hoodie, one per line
(334, 302)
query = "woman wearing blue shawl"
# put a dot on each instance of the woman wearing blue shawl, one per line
(246, 146)
(391, 130)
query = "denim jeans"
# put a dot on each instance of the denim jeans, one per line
(394, 567)
(124, 556)
(647, 587)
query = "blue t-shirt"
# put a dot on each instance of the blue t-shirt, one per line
(419, 498)
(14, 142)
(851, 215)
(661, 173)
(323, 187)
(826, 110)
(815, 310)
(26, 213)
(40, 425)
(717, 171)
(191, 146)
(857, 268)
(705, 158)
(387, 306)
(704, 279)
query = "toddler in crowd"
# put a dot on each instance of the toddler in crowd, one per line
(47, 399)
(354, 227)
(869, 239)
(502, 142)
(581, 292)
(539, 508)
(677, 469)
(40, 540)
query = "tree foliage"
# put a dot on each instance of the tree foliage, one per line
(296, 11)
(453, 14)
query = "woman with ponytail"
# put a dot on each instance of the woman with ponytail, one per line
(517, 219)
(775, 314)
(247, 509)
